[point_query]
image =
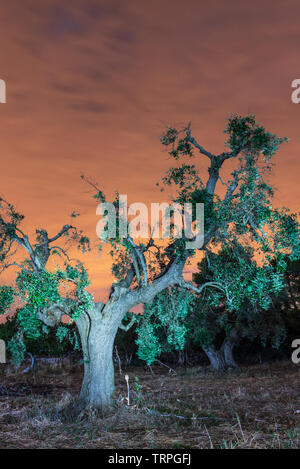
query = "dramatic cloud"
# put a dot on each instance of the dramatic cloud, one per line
(91, 84)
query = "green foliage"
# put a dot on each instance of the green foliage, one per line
(54, 342)
(68, 334)
(84, 243)
(17, 348)
(7, 296)
(10, 220)
(179, 146)
(39, 292)
(245, 133)
(251, 242)
(44, 294)
(245, 299)
(39, 289)
(162, 327)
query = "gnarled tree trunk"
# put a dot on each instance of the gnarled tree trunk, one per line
(97, 335)
(98, 328)
(216, 358)
(228, 347)
(223, 358)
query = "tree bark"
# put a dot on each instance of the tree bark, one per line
(227, 349)
(97, 335)
(223, 358)
(216, 358)
(181, 358)
(98, 328)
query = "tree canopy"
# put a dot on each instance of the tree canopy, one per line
(249, 243)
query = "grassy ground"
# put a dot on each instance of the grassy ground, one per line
(255, 407)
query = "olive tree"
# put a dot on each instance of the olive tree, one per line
(244, 261)
(143, 270)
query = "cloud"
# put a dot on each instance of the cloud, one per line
(124, 36)
(91, 106)
(63, 21)
(91, 85)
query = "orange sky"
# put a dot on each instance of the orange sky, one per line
(91, 85)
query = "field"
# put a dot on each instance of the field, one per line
(254, 407)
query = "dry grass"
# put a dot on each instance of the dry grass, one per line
(251, 408)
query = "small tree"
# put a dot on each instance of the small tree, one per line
(145, 270)
(37, 288)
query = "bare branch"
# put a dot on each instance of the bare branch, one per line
(193, 141)
(6, 266)
(63, 251)
(146, 293)
(127, 281)
(190, 286)
(52, 316)
(90, 183)
(254, 228)
(64, 229)
(136, 267)
(141, 259)
(225, 155)
(232, 187)
(129, 325)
